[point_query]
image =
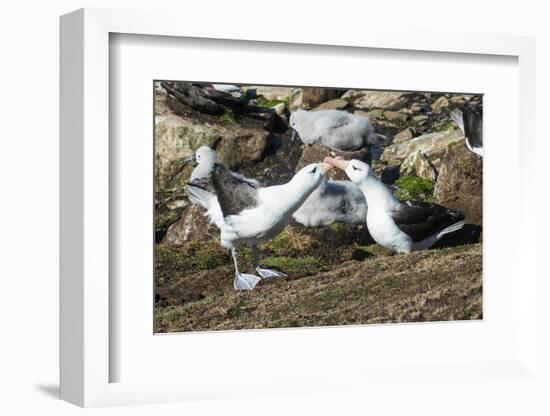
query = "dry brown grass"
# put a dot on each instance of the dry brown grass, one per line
(434, 285)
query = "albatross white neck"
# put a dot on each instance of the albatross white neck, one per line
(376, 193)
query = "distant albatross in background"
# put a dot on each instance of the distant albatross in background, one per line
(253, 214)
(470, 121)
(399, 226)
(335, 129)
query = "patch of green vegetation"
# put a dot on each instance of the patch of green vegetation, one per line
(228, 117)
(373, 250)
(207, 260)
(337, 227)
(264, 102)
(196, 256)
(414, 188)
(289, 241)
(446, 126)
(291, 264)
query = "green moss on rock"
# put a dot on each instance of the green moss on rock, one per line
(264, 102)
(414, 188)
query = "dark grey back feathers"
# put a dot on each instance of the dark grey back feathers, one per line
(234, 192)
(420, 220)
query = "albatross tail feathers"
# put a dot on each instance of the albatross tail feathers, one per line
(451, 228)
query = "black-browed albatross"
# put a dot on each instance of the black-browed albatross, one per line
(253, 214)
(470, 121)
(399, 226)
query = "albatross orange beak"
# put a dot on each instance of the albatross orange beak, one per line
(338, 162)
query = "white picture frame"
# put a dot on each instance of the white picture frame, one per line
(85, 220)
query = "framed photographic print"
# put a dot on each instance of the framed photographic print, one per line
(281, 213)
(408, 181)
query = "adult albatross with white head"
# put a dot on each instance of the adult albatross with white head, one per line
(252, 214)
(401, 226)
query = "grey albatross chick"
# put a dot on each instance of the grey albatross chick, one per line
(335, 129)
(333, 201)
(254, 214)
(470, 121)
(397, 225)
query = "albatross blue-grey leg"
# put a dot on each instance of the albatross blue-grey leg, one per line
(243, 281)
(263, 271)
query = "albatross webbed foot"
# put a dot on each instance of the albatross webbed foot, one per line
(269, 273)
(244, 281)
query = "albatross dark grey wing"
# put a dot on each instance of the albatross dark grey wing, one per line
(235, 193)
(420, 220)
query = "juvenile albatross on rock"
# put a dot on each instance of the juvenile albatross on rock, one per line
(335, 129)
(399, 226)
(252, 214)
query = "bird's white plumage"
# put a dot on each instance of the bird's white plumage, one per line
(381, 203)
(205, 158)
(273, 211)
(335, 129)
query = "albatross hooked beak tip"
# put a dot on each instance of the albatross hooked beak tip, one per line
(338, 162)
(190, 158)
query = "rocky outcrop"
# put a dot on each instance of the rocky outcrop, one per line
(179, 136)
(337, 104)
(312, 97)
(422, 155)
(191, 226)
(284, 94)
(404, 135)
(367, 100)
(459, 184)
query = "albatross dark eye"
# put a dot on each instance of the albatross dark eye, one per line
(354, 168)
(313, 170)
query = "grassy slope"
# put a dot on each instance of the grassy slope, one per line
(432, 285)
